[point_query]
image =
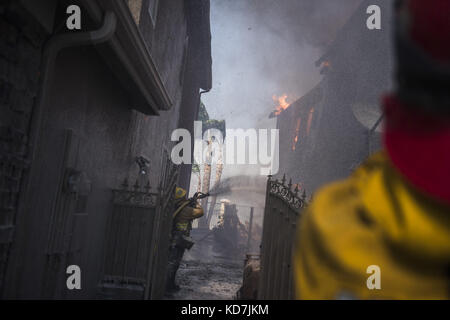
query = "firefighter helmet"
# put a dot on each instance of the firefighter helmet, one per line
(179, 193)
(417, 126)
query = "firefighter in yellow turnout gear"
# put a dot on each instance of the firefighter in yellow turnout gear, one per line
(186, 211)
(373, 218)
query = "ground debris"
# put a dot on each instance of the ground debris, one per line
(207, 280)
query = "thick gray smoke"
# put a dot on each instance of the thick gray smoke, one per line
(263, 48)
(256, 184)
(308, 22)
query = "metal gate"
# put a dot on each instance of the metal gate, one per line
(282, 210)
(163, 226)
(137, 242)
(128, 242)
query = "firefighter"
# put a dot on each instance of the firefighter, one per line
(185, 213)
(384, 233)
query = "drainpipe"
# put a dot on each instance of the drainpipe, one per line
(50, 52)
(204, 91)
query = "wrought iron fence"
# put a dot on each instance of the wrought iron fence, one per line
(128, 242)
(138, 236)
(282, 210)
(162, 230)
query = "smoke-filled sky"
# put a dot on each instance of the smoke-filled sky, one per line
(263, 48)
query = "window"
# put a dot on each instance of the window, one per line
(153, 10)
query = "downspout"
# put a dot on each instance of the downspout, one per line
(50, 52)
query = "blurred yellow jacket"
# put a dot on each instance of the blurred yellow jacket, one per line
(374, 218)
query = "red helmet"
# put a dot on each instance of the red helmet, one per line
(417, 126)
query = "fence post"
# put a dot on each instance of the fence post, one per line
(250, 225)
(263, 245)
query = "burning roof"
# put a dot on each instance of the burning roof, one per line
(310, 99)
(282, 105)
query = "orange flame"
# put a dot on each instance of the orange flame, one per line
(297, 131)
(282, 104)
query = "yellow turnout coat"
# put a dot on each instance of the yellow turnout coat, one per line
(374, 218)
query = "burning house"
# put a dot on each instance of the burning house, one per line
(325, 134)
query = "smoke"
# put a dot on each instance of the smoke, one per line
(307, 22)
(220, 189)
(245, 191)
(244, 183)
(263, 48)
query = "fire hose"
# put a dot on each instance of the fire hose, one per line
(190, 202)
